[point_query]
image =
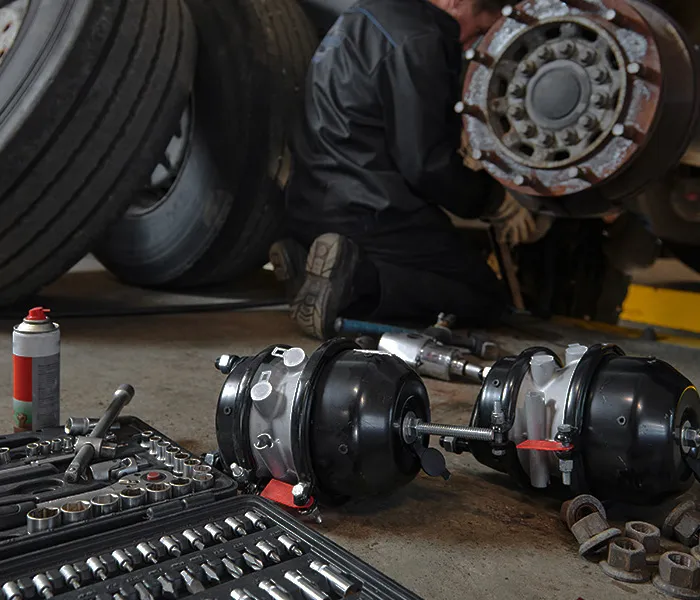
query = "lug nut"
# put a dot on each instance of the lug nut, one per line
(626, 561)
(571, 137)
(567, 49)
(545, 53)
(601, 75)
(600, 100)
(679, 575)
(517, 90)
(588, 122)
(517, 113)
(547, 139)
(589, 57)
(530, 131)
(528, 68)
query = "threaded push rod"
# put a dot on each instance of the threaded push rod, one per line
(478, 434)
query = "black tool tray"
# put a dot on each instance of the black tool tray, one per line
(27, 482)
(33, 565)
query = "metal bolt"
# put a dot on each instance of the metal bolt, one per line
(600, 100)
(601, 75)
(646, 73)
(226, 362)
(588, 57)
(621, 20)
(517, 113)
(528, 68)
(530, 131)
(571, 137)
(547, 139)
(545, 53)
(582, 5)
(301, 492)
(567, 49)
(470, 109)
(586, 175)
(518, 15)
(480, 57)
(517, 90)
(588, 122)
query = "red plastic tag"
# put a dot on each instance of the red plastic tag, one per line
(544, 445)
(281, 492)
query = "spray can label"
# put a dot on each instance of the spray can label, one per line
(36, 372)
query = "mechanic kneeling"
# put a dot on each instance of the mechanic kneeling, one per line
(375, 157)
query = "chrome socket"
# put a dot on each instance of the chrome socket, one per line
(43, 519)
(181, 486)
(170, 453)
(310, 589)
(56, 445)
(70, 576)
(5, 456)
(201, 469)
(153, 444)
(45, 448)
(43, 585)
(131, 497)
(146, 439)
(342, 584)
(67, 444)
(158, 492)
(202, 481)
(161, 447)
(105, 504)
(12, 591)
(79, 425)
(189, 465)
(179, 462)
(73, 512)
(33, 449)
(274, 591)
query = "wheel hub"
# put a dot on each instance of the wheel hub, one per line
(565, 95)
(11, 18)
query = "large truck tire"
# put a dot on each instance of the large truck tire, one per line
(90, 92)
(216, 220)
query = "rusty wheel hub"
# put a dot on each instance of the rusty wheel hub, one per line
(565, 96)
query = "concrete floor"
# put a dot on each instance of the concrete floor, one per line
(476, 535)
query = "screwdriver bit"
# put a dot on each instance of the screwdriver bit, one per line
(236, 525)
(167, 587)
(290, 544)
(253, 561)
(255, 519)
(144, 594)
(215, 532)
(97, 567)
(70, 575)
(123, 560)
(12, 591)
(233, 569)
(194, 539)
(269, 551)
(243, 594)
(171, 546)
(210, 573)
(43, 586)
(310, 589)
(193, 585)
(274, 591)
(148, 552)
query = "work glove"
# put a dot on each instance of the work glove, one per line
(516, 225)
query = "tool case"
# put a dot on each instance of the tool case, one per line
(208, 543)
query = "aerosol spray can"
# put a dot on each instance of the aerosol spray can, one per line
(36, 369)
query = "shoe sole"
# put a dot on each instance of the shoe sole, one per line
(312, 305)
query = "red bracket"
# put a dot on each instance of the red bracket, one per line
(544, 446)
(281, 492)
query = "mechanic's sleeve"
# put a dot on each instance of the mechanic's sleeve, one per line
(418, 91)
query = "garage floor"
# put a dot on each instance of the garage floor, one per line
(473, 536)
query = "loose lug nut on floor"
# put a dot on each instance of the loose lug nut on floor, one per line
(679, 575)
(626, 561)
(593, 532)
(683, 524)
(649, 536)
(575, 509)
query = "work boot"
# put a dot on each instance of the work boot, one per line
(327, 289)
(288, 257)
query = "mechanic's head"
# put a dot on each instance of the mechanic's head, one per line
(475, 17)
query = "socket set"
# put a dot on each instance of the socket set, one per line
(136, 469)
(241, 547)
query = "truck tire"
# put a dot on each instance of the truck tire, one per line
(225, 207)
(90, 92)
